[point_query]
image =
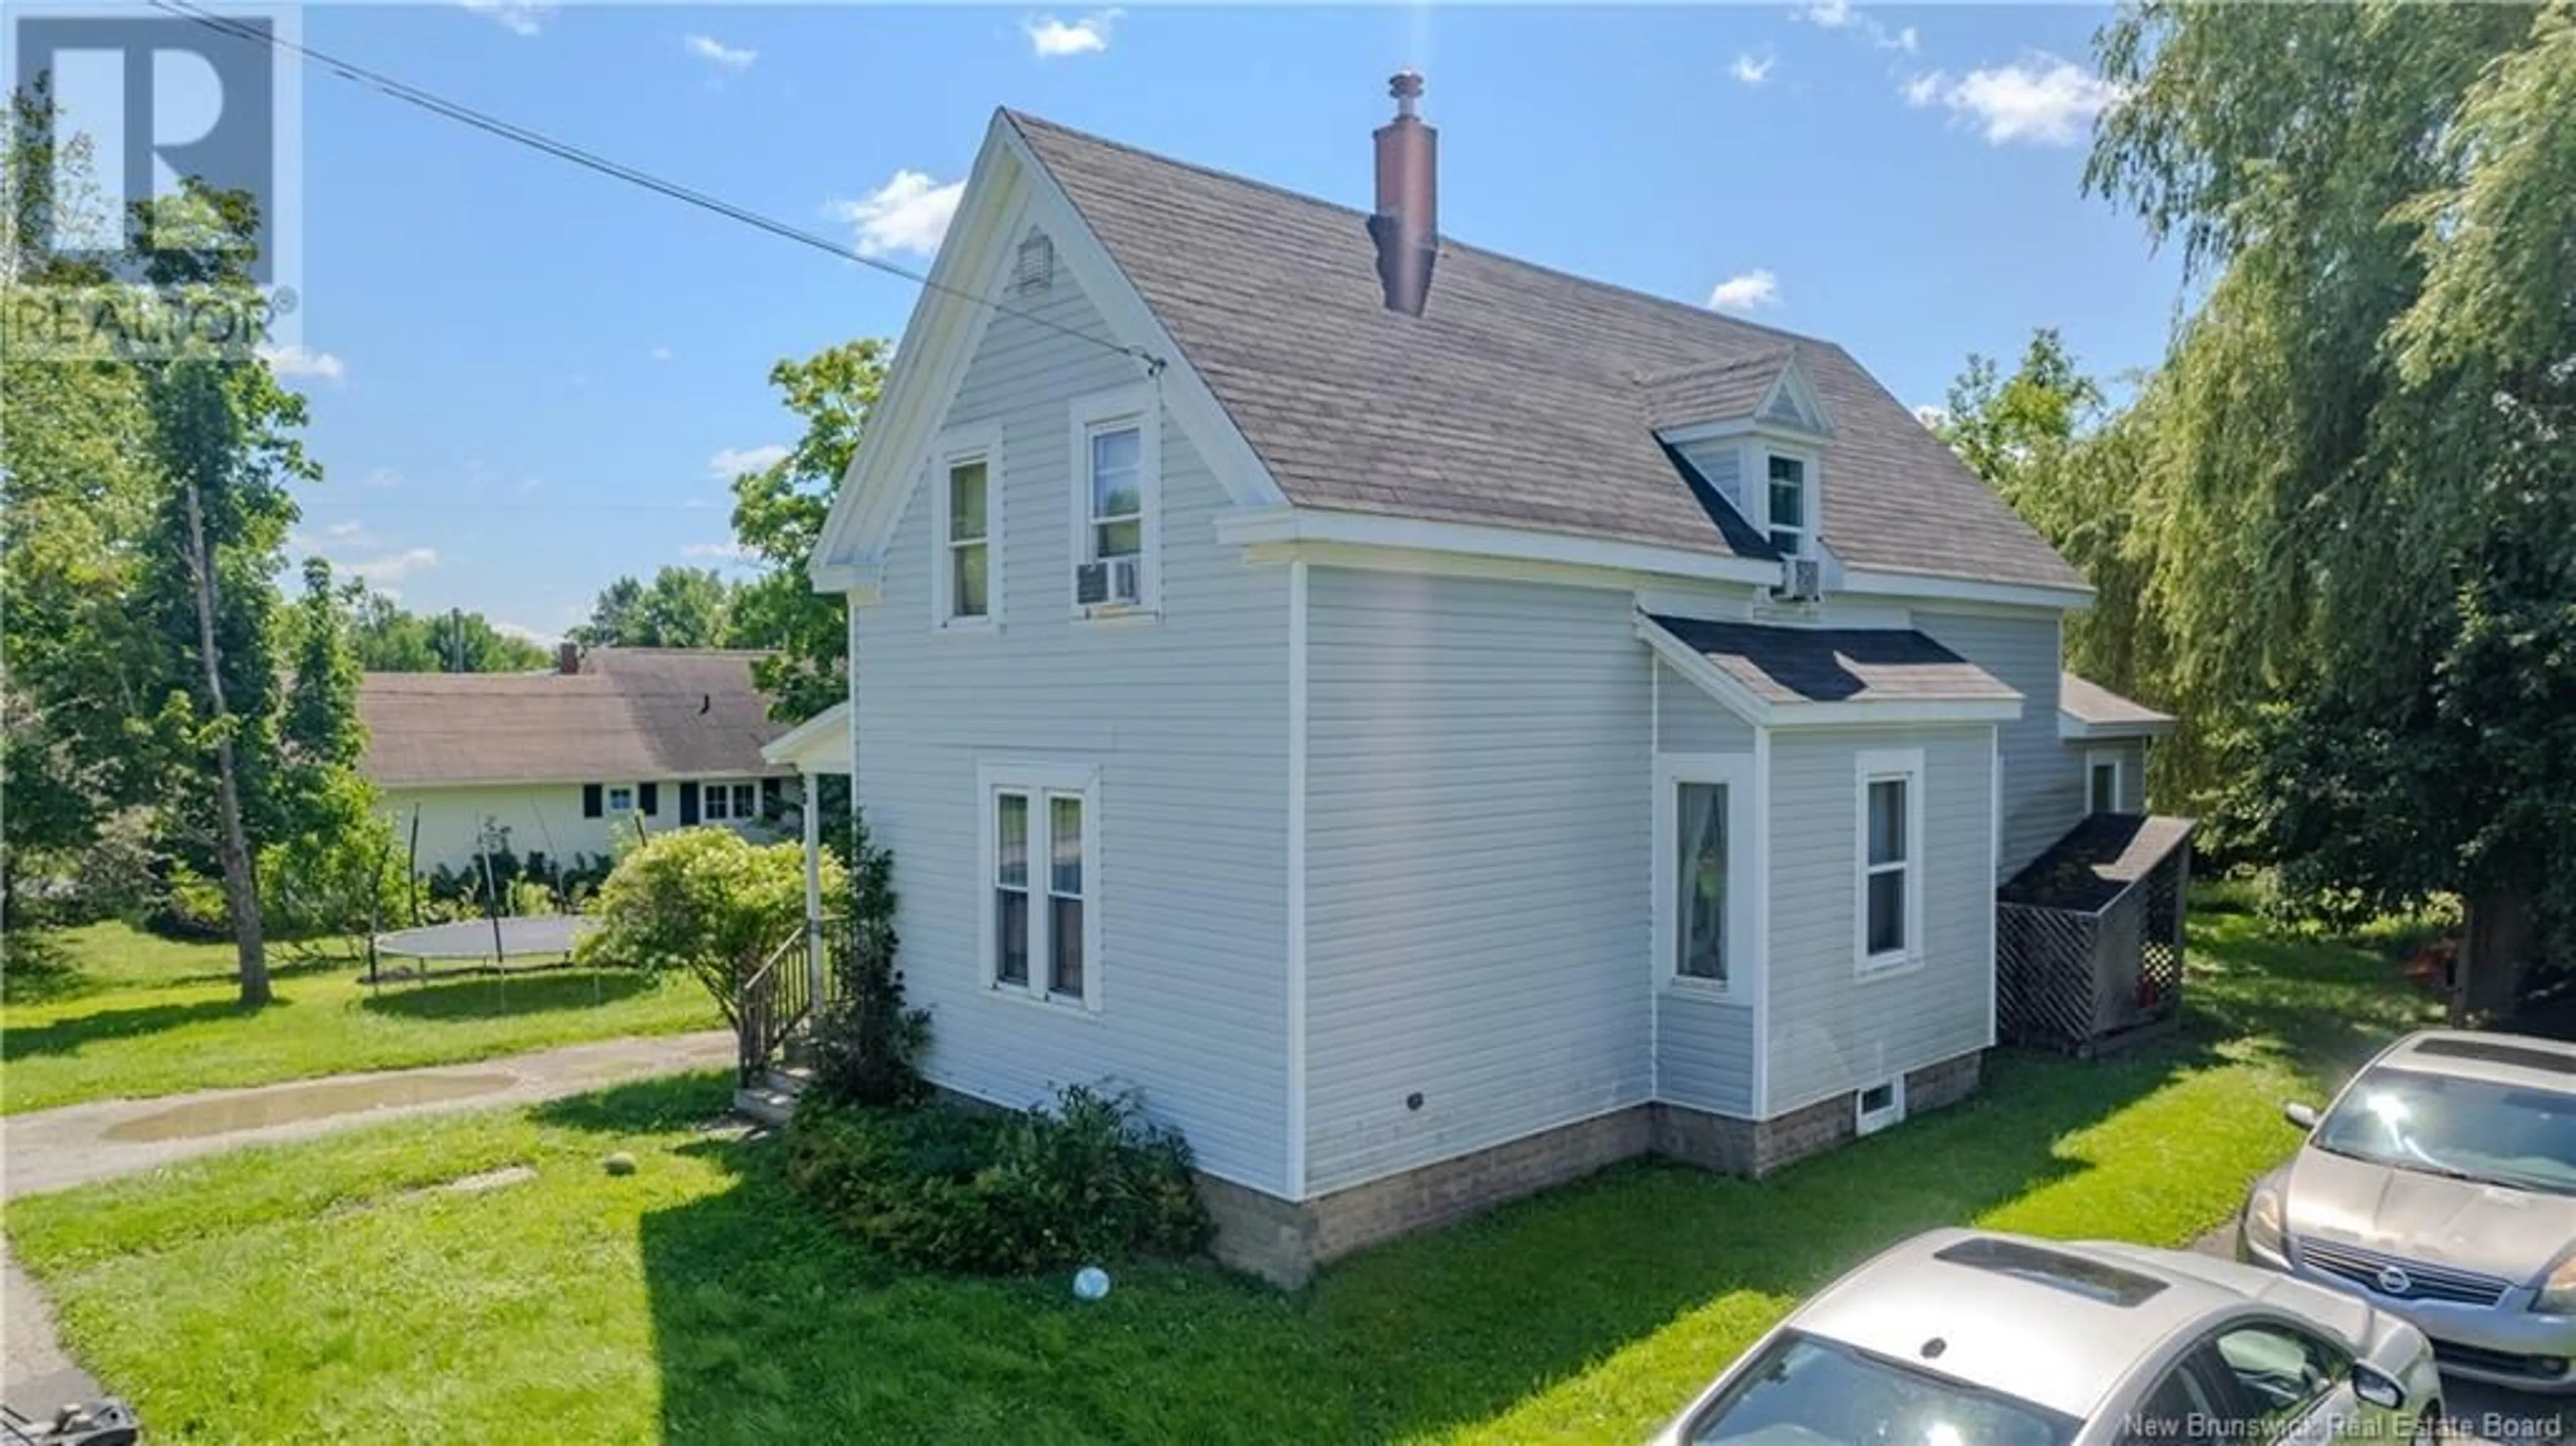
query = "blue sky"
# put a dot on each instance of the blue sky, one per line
(526, 378)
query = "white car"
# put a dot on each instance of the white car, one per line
(1967, 1338)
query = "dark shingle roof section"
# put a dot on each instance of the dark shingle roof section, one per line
(2096, 862)
(1515, 399)
(1839, 665)
(2090, 703)
(629, 714)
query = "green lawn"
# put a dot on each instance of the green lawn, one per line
(122, 1013)
(328, 1292)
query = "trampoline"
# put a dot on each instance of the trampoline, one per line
(479, 945)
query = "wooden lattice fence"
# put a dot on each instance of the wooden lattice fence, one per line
(2082, 982)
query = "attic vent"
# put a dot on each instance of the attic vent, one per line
(1036, 268)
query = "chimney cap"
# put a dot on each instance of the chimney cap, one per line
(1406, 87)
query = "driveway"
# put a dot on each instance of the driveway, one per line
(57, 1149)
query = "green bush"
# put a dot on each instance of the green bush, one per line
(867, 1039)
(704, 900)
(1084, 1180)
(339, 872)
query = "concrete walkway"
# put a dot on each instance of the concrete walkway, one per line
(74, 1145)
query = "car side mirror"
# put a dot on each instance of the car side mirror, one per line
(2303, 1116)
(2376, 1387)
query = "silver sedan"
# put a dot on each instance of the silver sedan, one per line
(1965, 1338)
(2441, 1185)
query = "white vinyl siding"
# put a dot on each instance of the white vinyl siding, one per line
(1687, 720)
(1186, 725)
(1832, 1028)
(1478, 905)
(2043, 791)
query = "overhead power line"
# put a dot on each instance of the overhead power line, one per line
(564, 150)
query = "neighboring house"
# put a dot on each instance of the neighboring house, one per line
(613, 743)
(1437, 728)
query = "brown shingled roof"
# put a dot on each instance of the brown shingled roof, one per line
(2096, 862)
(630, 713)
(1839, 665)
(2090, 703)
(1515, 399)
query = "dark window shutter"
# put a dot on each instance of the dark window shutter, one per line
(769, 798)
(688, 804)
(648, 797)
(590, 800)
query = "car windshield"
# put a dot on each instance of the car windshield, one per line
(1805, 1391)
(2470, 1129)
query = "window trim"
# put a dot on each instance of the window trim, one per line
(608, 803)
(1877, 766)
(1106, 411)
(1042, 783)
(1735, 772)
(2097, 759)
(955, 448)
(1757, 470)
(1866, 1121)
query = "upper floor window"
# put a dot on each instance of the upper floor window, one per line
(1890, 902)
(967, 529)
(1790, 525)
(1117, 496)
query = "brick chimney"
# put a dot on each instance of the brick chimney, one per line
(1406, 225)
(567, 658)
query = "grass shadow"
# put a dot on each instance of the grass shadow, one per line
(73, 1033)
(493, 996)
(769, 1324)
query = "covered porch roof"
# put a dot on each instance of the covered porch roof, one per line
(820, 744)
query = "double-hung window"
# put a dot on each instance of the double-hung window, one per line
(1890, 901)
(1041, 928)
(1787, 508)
(1117, 494)
(1704, 919)
(966, 502)
(2102, 782)
(739, 802)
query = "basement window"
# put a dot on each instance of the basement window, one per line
(1879, 1106)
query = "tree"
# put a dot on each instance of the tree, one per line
(321, 727)
(683, 607)
(707, 901)
(778, 515)
(389, 640)
(2353, 442)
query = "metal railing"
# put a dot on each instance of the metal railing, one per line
(782, 995)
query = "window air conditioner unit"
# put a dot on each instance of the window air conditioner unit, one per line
(1802, 579)
(1110, 583)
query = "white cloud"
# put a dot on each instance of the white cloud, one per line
(381, 477)
(1839, 15)
(2042, 100)
(723, 56)
(519, 17)
(908, 213)
(659, 353)
(393, 566)
(718, 551)
(296, 361)
(1051, 38)
(350, 532)
(1749, 292)
(1931, 416)
(523, 632)
(1752, 70)
(732, 462)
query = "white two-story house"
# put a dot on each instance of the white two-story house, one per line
(1436, 724)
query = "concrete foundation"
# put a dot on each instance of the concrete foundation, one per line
(1284, 1241)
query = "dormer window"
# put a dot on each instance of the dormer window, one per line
(1789, 520)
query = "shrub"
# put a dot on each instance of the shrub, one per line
(866, 1041)
(339, 872)
(704, 900)
(1085, 1179)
